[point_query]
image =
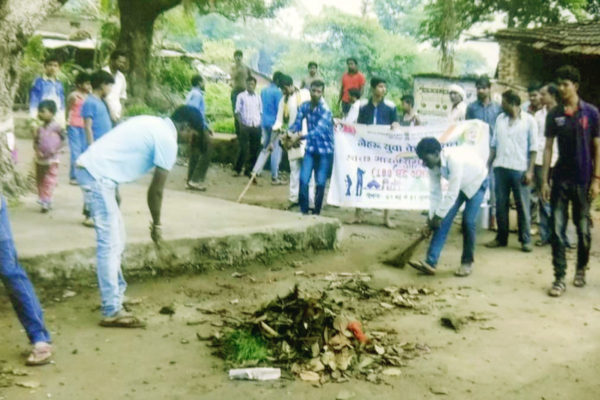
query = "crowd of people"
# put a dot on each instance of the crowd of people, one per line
(545, 152)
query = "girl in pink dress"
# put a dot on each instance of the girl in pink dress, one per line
(47, 144)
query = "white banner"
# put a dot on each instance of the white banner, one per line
(375, 167)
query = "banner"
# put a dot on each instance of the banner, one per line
(375, 167)
(432, 99)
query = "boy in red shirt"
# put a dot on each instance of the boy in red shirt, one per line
(352, 79)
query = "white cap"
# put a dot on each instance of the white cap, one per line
(457, 89)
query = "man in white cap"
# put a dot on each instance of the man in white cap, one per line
(459, 107)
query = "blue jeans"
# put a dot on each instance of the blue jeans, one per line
(507, 180)
(77, 145)
(100, 197)
(469, 227)
(321, 164)
(18, 286)
(275, 154)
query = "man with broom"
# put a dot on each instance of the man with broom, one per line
(466, 173)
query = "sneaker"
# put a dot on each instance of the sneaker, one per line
(88, 222)
(542, 243)
(526, 247)
(195, 186)
(73, 182)
(557, 289)
(276, 182)
(464, 270)
(579, 280)
(494, 244)
(45, 207)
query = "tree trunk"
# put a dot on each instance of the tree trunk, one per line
(135, 38)
(18, 21)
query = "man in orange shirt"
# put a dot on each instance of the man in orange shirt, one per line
(352, 79)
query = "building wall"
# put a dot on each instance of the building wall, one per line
(521, 64)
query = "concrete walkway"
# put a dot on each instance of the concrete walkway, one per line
(199, 230)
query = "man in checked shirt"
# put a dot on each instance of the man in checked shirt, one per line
(318, 156)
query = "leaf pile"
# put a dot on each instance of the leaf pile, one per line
(309, 335)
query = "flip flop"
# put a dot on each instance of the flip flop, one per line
(40, 354)
(422, 267)
(122, 320)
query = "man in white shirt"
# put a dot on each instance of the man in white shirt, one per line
(286, 115)
(459, 107)
(118, 93)
(512, 154)
(466, 174)
(352, 116)
(248, 112)
(127, 152)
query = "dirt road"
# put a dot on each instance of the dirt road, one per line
(527, 346)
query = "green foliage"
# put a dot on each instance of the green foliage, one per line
(400, 16)
(219, 52)
(217, 97)
(174, 73)
(138, 109)
(242, 346)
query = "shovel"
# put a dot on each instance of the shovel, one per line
(400, 259)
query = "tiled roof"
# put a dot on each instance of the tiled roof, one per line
(563, 38)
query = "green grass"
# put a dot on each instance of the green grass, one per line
(242, 346)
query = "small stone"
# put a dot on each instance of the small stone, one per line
(28, 384)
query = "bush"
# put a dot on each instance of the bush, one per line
(138, 109)
(175, 73)
(225, 125)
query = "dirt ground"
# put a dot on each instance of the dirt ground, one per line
(528, 346)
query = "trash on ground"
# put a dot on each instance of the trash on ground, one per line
(255, 374)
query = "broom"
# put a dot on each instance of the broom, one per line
(400, 259)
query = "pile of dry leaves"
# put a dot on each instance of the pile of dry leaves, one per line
(319, 339)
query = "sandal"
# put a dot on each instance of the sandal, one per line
(579, 280)
(557, 289)
(464, 270)
(422, 267)
(122, 319)
(40, 354)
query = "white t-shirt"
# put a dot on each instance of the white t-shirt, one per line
(540, 118)
(131, 149)
(117, 93)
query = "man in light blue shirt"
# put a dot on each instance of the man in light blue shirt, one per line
(466, 174)
(124, 154)
(512, 155)
(201, 146)
(270, 97)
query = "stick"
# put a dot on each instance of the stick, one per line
(400, 259)
(252, 177)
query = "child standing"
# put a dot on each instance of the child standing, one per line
(48, 87)
(47, 143)
(75, 127)
(96, 118)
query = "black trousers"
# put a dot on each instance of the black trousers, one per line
(248, 148)
(200, 156)
(563, 194)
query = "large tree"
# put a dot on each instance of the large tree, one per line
(18, 21)
(137, 28)
(446, 20)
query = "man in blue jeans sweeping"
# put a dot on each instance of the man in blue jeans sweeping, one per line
(318, 155)
(125, 154)
(22, 295)
(466, 173)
